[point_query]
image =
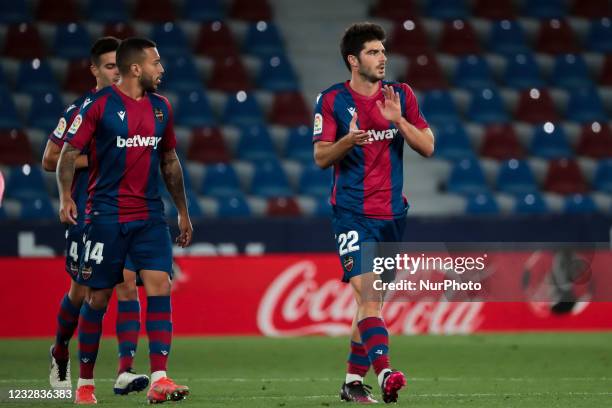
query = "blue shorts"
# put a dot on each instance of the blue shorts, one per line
(351, 231)
(107, 246)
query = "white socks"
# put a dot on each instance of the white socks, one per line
(381, 376)
(352, 378)
(85, 381)
(157, 375)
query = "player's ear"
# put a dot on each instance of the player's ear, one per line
(353, 61)
(94, 70)
(135, 69)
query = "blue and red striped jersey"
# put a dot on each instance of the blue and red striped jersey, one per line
(79, 184)
(126, 138)
(368, 181)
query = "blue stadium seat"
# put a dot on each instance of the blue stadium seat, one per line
(507, 37)
(14, 12)
(107, 11)
(277, 74)
(550, 142)
(531, 203)
(585, 105)
(242, 109)
(452, 142)
(515, 177)
(482, 204)
(45, 110)
(603, 176)
(234, 206)
(467, 178)
(570, 71)
(35, 76)
(579, 204)
(193, 109)
(438, 107)
(203, 11)
(323, 207)
(26, 183)
(545, 9)
(473, 72)
(269, 180)
(220, 180)
(598, 39)
(522, 72)
(255, 144)
(180, 74)
(315, 181)
(193, 206)
(263, 39)
(37, 209)
(8, 111)
(72, 41)
(487, 107)
(447, 9)
(299, 144)
(171, 40)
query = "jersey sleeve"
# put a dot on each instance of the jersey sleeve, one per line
(412, 112)
(325, 126)
(58, 134)
(168, 141)
(84, 124)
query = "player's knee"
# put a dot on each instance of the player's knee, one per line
(370, 309)
(98, 299)
(77, 293)
(127, 291)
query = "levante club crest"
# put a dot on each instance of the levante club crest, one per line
(348, 263)
(159, 114)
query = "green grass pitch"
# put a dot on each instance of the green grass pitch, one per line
(526, 370)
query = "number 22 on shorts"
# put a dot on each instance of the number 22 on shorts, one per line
(348, 242)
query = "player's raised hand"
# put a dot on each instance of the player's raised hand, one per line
(185, 231)
(357, 137)
(390, 108)
(68, 211)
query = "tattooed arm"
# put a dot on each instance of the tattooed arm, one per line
(65, 176)
(173, 177)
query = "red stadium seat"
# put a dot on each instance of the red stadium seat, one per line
(595, 141)
(57, 11)
(556, 37)
(207, 146)
(251, 10)
(500, 142)
(396, 10)
(229, 75)
(459, 38)
(159, 11)
(592, 9)
(23, 41)
(215, 40)
(494, 9)
(14, 147)
(536, 106)
(283, 207)
(564, 177)
(424, 73)
(605, 78)
(119, 30)
(409, 38)
(79, 78)
(289, 109)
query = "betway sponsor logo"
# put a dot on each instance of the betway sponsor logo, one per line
(298, 302)
(381, 134)
(138, 141)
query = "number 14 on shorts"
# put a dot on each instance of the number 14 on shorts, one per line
(95, 252)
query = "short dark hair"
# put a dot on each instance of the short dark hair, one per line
(131, 51)
(356, 36)
(102, 46)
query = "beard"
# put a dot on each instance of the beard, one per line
(148, 84)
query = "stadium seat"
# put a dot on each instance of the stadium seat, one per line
(550, 142)
(277, 75)
(545, 9)
(203, 11)
(37, 209)
(425, 74)
(447, 9)
(180, 74)
(409, 38)
(482, 204)
(473, 72)
(119, 30)
(598, 38)
(72, 41)
(79, 78)
(12, 12)
(207, 146)
(467, 178)
(193, 109)
(195, 211)
(299, 144)
(45, 110)
(162, 11)
(452, 142)
(8, 112)
(396, 10)
(57, 11)
(536, 106)
(556, 37)
(595, 141)
(494, 9)
(585, 105)
(501, 143)
(229, 75)
(323, 207)
(438, 107)
(570, 71)
(15, 147)
(507, 37)
(26, 183)
(515, 177)
(282, 207)
(564, 177)
(603, 176)
(215, 40)
(23, 41)
(269, 180)
(170, 39)
(486, 107)
(289, 109)
(241, 109)
(522, 72)
(458, 38)
(579, 204)
(35, 76)
(108, 11)
(235, 206)
(531, 203)
(255, 144)
(605, 77)
(263, 39)
(315, 181)
(251, 10)
(220, 180)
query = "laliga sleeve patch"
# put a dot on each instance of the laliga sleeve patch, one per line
(318, 124)
(76, 123)
(60, 128)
